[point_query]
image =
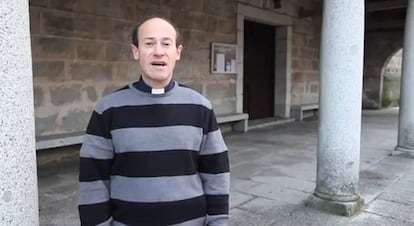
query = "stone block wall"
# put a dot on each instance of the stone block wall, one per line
(306, 32)
(81, 51)
(305, 54)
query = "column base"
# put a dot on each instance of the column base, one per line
(403, 152)
(336, 207)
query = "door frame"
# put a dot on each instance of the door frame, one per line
(283, 55)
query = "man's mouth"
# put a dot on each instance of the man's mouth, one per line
(158, 63)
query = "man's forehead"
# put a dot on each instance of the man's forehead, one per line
(156, 27)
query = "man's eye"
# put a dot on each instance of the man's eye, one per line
(166, 44)
(149, 43)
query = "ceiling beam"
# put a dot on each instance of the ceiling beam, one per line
(370, 7)
(385, 25)
(386, 5)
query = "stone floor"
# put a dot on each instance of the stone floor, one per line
(273, 174)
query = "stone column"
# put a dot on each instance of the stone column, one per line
(342, 46)
(405, 144)
(18, 179)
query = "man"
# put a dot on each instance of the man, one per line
(153, 153)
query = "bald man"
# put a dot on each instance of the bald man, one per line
(153, 153)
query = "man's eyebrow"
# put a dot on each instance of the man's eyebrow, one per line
(162, 39)
(149, 39)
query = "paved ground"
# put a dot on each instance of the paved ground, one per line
(273, 173)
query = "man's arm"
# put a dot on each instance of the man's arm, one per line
(94, 173)
(215, 174)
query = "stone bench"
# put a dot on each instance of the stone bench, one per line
(53, 141)
(299, 112)
(238, 120)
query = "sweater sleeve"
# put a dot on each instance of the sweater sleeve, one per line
(215, 174)
(96, 156)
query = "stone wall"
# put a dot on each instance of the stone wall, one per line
(81, 51)
(305, 54)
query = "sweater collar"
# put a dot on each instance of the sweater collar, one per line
(144, 87)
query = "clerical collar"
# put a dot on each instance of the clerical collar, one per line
(142, 86)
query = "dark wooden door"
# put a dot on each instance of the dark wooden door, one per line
(259, 70)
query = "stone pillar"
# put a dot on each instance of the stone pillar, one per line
(405, 144)
(283, 71)
(18, 179)
(342, 46)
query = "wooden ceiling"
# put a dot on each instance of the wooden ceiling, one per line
(381, 15)
(385, 15)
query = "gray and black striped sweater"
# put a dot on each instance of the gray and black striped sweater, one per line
(154, 159)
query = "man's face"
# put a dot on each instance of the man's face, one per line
(157, 51)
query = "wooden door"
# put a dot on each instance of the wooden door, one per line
(259, 70)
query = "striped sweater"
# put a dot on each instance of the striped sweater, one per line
(153, 159)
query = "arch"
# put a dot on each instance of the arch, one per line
(379, 46)
(391, 75)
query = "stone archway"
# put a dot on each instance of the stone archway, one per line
(391, 79)
(379, 46)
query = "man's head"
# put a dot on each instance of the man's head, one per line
(156, 46)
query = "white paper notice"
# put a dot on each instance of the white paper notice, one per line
(220, 62)
(233, 66)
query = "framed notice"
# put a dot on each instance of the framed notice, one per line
(223, 58)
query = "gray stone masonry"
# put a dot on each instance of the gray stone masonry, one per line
(81, 51)
(18, 178)
(273, 172)
(406, 119)
(83, 46)
(339, 131)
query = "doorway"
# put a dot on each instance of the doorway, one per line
(259, 70)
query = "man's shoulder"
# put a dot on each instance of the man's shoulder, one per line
(113, 98)
(194, 95)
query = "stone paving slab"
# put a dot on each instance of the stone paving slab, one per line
(401, 186)
(260, 212)
(238, 198)
(287, 182)
(279, 193)
(368, 219)
(306, 171)
(311, 217)
(373, 183)
(58, 197)
(403, 197)
(239, 217)
(241, 185)
(273, 172)
(393, 210)
(260, 206)
(248, 169)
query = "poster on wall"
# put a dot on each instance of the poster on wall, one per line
(223, 58)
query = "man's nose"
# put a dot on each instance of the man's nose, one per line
(158, 50)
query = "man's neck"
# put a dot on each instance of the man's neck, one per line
(145, 87)
(155, 84)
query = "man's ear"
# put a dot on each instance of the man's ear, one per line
(179, 49)
(135, 52)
